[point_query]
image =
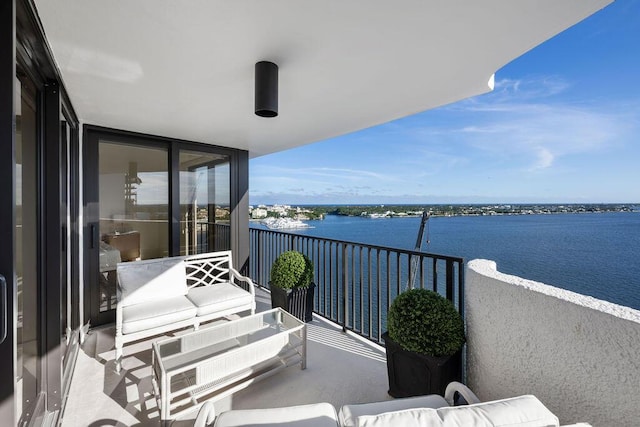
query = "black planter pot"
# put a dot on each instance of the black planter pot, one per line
(298, 302)
(416, 374)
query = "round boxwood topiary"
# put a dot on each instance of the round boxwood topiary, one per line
(425, 322)
(291, 270)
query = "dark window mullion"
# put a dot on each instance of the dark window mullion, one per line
(174, 199)
(51, 222)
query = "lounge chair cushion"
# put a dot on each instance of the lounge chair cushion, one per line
(417, 417)
(522, 411)
(349, 413)
(314, 415)
(151, 280)
(218, 297)
(153, 314)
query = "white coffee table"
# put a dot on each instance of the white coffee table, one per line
(217, 361)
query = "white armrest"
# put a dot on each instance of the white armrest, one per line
(464, 391)
(206, 415)
(236, 275)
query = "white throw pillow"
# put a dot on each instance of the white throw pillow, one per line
(150, 280)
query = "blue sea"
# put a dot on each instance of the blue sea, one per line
(596, 254)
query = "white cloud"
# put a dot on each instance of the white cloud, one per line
(523, 123)
(316, 180)
(545, 159)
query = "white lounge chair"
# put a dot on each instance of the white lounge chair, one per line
(424, 411)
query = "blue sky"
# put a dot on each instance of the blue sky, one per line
(561, 126)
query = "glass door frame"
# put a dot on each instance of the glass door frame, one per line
(70, 327)
(8, 294)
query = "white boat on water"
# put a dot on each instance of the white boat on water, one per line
(387, 214)
(284, 224)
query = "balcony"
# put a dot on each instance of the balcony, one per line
(578, 355)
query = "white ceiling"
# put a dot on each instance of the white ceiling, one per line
(184, 69)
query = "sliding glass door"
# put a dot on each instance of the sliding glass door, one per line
(43, 260)
(150, 197)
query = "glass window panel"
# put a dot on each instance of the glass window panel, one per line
(26, 253)
(65, 300)
(134, 209)
(204, 202)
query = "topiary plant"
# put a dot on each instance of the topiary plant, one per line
(425, 322)
(291, 270)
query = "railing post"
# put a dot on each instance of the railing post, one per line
(434, 266)
(258, 258)
(344, 288)
(461, 288)
(449, 280)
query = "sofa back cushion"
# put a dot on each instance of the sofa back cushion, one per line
(150, 280)
(522, 411)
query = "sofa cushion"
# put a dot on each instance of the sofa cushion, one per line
(153, 314)
(348, 413)
(314, 415)
(149, 280)
(523, 411)
(218, 297)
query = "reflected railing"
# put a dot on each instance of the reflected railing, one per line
(211, 237)
(357, 282)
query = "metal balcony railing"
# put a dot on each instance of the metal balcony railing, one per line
(357, 282)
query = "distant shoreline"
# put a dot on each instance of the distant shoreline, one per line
(313, 212)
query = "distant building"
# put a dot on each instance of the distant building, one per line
(258, 213)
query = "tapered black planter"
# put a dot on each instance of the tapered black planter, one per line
(416, 374)
(298, 302)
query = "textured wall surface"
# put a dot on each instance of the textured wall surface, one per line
(580, 356)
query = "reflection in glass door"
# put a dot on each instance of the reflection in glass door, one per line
(28, 372)
(204, 202)
(133, 186)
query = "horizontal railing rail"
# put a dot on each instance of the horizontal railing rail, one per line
(357, 282)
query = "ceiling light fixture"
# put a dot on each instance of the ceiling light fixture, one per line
(266, 89)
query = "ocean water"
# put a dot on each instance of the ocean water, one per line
(592, 254)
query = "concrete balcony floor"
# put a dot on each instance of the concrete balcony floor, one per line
(341, 368)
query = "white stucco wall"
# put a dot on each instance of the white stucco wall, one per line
(580, 356)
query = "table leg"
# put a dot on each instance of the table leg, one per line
(303, 333)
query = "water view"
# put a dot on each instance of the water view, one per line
(589, 253)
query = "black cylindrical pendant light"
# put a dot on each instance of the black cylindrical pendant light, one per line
(266, 97)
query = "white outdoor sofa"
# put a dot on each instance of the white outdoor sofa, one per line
(424, 411)
(161, 295)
